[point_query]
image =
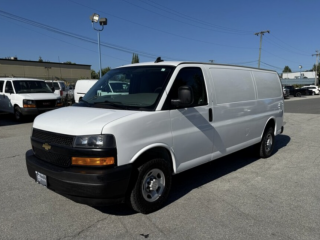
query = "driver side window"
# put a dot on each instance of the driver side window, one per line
(192, 77)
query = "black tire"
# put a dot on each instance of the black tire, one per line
(298, 94)
(154, 173)
(17, 113)
(266, 145)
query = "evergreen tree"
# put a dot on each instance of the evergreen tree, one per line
(135, 58)
(286, 69)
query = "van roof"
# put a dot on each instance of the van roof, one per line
(176, 63)
(19, 79)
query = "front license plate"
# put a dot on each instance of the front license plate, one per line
(41, 178)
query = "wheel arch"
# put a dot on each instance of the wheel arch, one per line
(154, 150)
(270, 123)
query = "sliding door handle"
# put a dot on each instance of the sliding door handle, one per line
(210, 115)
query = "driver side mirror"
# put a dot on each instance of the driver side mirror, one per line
(185, 97)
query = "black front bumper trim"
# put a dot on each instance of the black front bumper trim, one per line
(89, 186)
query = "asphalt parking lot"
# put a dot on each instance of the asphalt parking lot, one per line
(235, 197)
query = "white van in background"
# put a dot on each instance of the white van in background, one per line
(59, 88)
(82, 87)
(174, 116)
(25, 96)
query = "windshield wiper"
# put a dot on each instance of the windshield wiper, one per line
(85, 102)
(112, 104)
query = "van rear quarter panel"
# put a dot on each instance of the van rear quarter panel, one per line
(269, 99)
(240, 116)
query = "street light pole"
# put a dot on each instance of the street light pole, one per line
(316, 72)
(102, 21)
(99, 51)
(300, 70)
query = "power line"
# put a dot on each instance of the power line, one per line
(278, 56)
(163, 8)
(271, 65)
(172, 34)
(76, 36)
(222, 30)
(287, 45)
(287, 49)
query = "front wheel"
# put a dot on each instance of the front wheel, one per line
(266, 145)
(17, 113)
(298, 94)
(152, 186)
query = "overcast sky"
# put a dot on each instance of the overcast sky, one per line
(202, 30)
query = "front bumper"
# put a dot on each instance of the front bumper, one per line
(91, 186)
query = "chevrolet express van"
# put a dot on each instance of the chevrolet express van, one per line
(25, 96)
(175, 116)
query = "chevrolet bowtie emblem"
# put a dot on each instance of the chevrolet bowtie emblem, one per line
(46, 146)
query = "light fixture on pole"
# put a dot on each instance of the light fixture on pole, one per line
(300, 70)
(102, 21)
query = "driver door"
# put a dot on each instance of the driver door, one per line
(192, 133)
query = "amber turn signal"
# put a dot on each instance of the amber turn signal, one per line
(92, 161)
(29, 105)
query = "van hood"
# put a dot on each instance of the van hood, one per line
(78, 120)
(38, 96)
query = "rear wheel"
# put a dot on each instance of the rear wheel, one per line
(266, 145)
(298, 94)
(17, 113)
(152, 186)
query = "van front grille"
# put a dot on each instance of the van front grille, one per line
(53, 158)
(49, 137)
(45, 103)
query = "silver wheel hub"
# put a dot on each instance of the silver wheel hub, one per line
(269, 142)
(153, 185)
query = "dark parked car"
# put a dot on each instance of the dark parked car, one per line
(298, 92)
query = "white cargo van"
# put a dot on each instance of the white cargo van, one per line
(82, 87)
(175, 116)
(25, 96)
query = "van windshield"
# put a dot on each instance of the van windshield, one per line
(129, 88)
(25, 86)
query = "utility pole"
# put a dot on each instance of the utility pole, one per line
(315, 74)
(261, 34)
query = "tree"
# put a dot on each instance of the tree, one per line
(68, 62)
(105, 70)
(135, 58)
(318, 69)
(286, 69)
(40, 59)
(94, 75)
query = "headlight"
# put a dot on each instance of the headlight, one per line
(95, 141)
(29, 103)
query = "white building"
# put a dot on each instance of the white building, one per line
(295, 75)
